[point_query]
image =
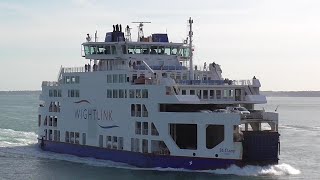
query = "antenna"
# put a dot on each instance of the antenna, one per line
(96, 36)
(140, 30)
(190, 48)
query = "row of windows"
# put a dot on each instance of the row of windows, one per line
(73, 93)
(52, 135)
(210, 94)
(72, 137)
(54, 106)
(143, 128)
(139, 110)
(100, 50)
(122, 93)
(132, 49)
(111, 142)
(50, 121)
(71, 79)
(55, 93)
(116, 78)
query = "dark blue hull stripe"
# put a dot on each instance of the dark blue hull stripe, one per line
(139, 159)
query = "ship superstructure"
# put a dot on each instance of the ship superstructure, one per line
(144, 103)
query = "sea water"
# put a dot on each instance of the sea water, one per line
(20, 157)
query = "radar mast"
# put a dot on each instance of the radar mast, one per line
(140, 30)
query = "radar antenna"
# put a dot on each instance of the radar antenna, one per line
(140, 30)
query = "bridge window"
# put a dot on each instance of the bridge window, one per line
(131, 93)
(174, 51)
(214, 135)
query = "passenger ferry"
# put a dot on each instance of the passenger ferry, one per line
(144, 103)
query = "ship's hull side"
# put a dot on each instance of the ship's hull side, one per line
(138, 159)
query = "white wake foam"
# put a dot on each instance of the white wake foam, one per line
(18, 143)
(9, 138)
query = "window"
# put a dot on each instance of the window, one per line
(55, 121)
(184, 135)
(120, 146)
(122, 78)
(115, 78)
(131, 93)
(145, 128)
(113, 50)
(231, 93)
(84, 139)
(77, 79)
(138, 110)
(45, 121)
(183, 92)
(121, 93)
(218, 94)
(133, 110)
(214, 135)
(199, 93)
(144, 146)
(115, 93)
(71, 137)
(108, 142)
(55, 134)
(192, 92)
(67, 137)
(58, 136)
(50, 93)
(109, 78)
(211, 94)
(115, 142)
(50, 120)
(144, 111)
(100, 140)
(145, 93)
(205, 94)
(109, 93)
(138, 127)
(59, 93)
(76, 138)
(77, 93)
(50, 135)
(154, 130)
(138, 93)
(225, 93)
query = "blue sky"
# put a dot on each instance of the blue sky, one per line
(277, 41)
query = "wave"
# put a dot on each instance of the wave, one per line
(297, 127)
(9, 137)
(18, 143)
